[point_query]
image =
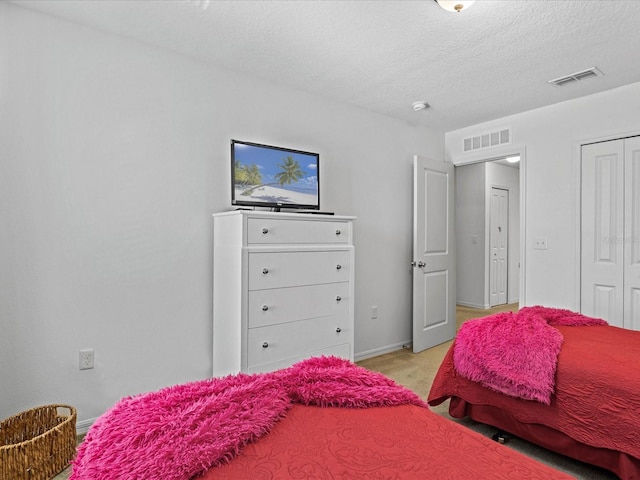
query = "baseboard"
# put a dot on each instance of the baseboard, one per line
(382, 350)
(83, 426)
(472, 305)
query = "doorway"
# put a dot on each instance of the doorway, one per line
(488, 233)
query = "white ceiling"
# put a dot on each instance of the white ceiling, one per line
(489, 61)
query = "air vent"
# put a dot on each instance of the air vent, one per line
(486, 140)
(576, 77)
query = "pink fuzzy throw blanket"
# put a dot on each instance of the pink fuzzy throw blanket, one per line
(515, 353)
(181, 431)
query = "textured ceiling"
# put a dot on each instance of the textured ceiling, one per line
(489, 61)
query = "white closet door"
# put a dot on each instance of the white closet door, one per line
(499, 243)
(602, 219)
(632, 234)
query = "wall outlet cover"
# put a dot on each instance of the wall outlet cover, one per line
(86, 359)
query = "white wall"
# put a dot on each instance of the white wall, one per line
(470, 223)
(551, 137)
(114, 156)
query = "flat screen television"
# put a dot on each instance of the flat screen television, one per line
(275, 177)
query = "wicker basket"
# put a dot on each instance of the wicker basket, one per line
(37, 444)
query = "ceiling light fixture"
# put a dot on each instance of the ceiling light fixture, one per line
(514, 159)
(455, 5)
(417, 106)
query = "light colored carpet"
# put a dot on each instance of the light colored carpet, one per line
(416, 372)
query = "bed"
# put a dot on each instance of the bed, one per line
(323, 418)
(590, 413)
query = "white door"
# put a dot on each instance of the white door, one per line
(434, 316)
(602, 235)
(499, 242)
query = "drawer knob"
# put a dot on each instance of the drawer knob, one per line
(338, 232)
(338, 267)
(338, 330)
(265, 271)
(338, 298)
(265, 345)
(265, 308)
(265, 231)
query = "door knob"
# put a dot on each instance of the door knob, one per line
(421, 264)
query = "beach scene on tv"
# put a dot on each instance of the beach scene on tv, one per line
(269, 175)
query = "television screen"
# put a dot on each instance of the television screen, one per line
(267, 176)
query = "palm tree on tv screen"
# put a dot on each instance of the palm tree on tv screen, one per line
(291, 171)
(250, 175)
(247, 174)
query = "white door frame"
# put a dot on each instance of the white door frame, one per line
(498, 153)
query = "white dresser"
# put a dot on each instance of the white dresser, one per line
(282, 289)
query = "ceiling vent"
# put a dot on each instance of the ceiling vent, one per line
(576, 77)
(486, 140)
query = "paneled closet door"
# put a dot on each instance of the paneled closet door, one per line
(602, 235)
(632, 234)
(499, 242)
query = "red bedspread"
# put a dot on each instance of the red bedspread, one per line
(404, 442)
(597, 397)
(516, 353)
(180, 431)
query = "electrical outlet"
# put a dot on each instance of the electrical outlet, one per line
(540, 243)
(374, 311)
(85, 359)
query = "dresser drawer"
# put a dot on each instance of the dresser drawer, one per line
(343, 351)
(303, 231)
(278, 342)
(294, 268)
(282, 305)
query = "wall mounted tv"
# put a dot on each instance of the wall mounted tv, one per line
(276, 177)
